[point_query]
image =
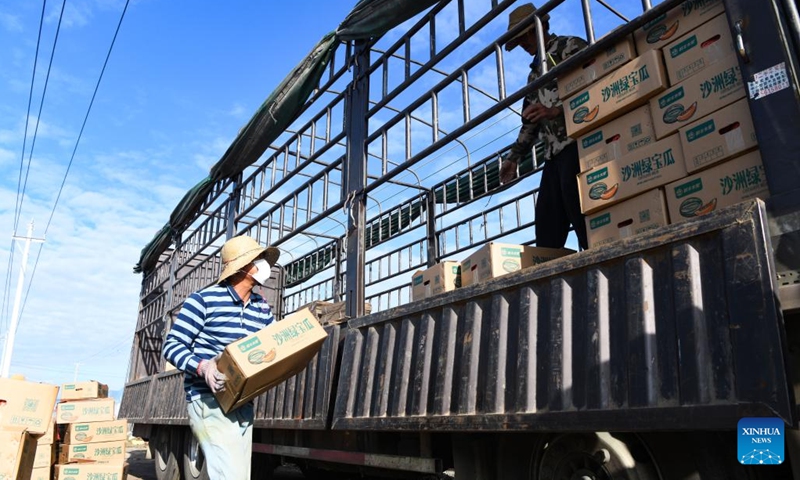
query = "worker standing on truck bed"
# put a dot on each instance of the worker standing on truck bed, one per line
(209, 320)
(558, 202)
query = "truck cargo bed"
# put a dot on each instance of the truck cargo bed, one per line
(674, 329)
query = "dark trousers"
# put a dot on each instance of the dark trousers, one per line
(558, 204)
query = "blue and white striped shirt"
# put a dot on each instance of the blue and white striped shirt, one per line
(210, 320)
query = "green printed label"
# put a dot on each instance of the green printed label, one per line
(689, 188)
(456, 269)
(69, 387)
(579, 100)
(600, 221)
(670, 98)
(597, 176)
(683, 47)
(249, 344)
(72, 471)
(592, 139)
(79, 449)
(701, 131)
(82, 428)
(418, 280)
(68, 407)
(510, 252)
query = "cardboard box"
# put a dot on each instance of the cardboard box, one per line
(45, 456)
(680, 20)
(641, 170)
(616, 138)
(626, 219)
(616, 94)
(723, 134)
(83, 391)
(49, 436)
(704, 46)
(17, 453)
(268, 357)
(42, 473)
(103, 452)
(726, 184)
(79, 433)
(600, 65)
(87, 471)
(97, 410)
(440, 278)
(714, 87)
(496, 259)
(27, 404)
(332, 313)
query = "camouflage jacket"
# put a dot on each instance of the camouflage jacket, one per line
(552, 132)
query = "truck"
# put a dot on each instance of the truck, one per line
(378, 156)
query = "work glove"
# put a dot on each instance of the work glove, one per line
(213, 377)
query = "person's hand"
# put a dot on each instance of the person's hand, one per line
(508, 171)
(536, 111)
(213, 377)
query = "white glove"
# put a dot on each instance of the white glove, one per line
(213, 377)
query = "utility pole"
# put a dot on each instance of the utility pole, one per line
(75, 378)
(12, 329)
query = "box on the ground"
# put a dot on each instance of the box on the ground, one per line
(723, 134)
(45, 455)
(496, 259)
(83, 390)
(50, 434)
(680, 20)
(696, 50)
(641, 170)
(616, 94)
(42, 473)
(88, 471)
(96, 410)
(17, 453)
(597, 67)
(442, 277)
(93, 432)
(331, 313)
(27, 404)
(706, 92)
(266, 358)
(616, 138)
(734, 181)
(639, 214)
(103, 452)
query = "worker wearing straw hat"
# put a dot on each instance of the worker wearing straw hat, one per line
(558, 203)
(209, 320)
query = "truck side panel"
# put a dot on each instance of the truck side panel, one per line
(678, 327)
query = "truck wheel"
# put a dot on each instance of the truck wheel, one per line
(166, 451)
(194, 463)
(262, 466)
(597, 456)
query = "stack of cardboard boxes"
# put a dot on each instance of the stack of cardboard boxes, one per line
(26, 424)
(490, 261)
(45, 454)
(92, 441)
(665, 135)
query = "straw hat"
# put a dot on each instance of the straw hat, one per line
(240, 251)
(518, 15)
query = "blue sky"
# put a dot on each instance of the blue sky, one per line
(182, 79)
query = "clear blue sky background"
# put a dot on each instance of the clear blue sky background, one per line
(183, 78)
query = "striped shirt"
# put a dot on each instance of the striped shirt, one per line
(210, 320)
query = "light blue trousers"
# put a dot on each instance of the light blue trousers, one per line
(226, 440)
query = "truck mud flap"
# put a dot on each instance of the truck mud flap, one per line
(676, 329)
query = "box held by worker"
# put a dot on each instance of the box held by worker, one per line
(442, 277)
(268, 357)
(83, 391)
(93, 432)
(639, 214)
(95, 410)
(715, 87)
(723, 134)
(27, 404)
(641, 170)
(680, 20)
(596, 67)
(728, 183)
(616, 138)
(616, 94)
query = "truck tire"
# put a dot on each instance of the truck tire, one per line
(194, 463)
(165, 446)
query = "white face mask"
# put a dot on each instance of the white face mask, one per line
(262, 275)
